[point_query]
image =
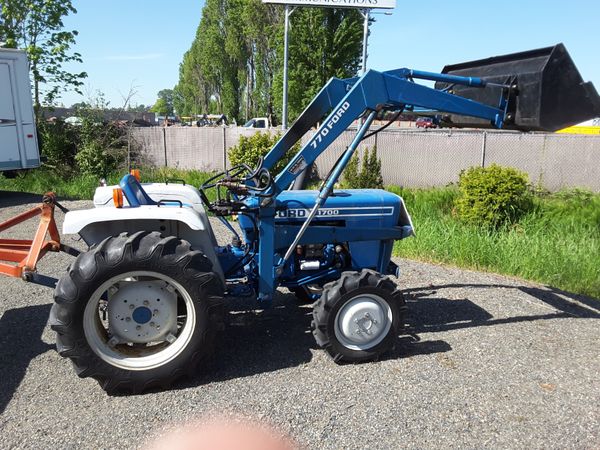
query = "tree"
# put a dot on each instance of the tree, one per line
(164, 104)
(80, 105)
(138, 108)
(234, 65)
(192, 93)
(37, 26)
(161, 108)
(166, 95)
(324, 43)
(263, 30)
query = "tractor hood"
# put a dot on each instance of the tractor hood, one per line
(370, 207)
(364, 218)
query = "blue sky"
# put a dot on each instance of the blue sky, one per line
(139, 44)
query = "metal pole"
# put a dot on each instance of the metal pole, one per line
(365, 13)
(483, 148)
(224, 148)
(284, 113)
(329, 184)
(366, 16)
(165, 145)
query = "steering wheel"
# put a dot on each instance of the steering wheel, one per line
(260, 177)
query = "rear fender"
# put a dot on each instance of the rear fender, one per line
(94, 225)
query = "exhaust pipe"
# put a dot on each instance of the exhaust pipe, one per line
(549, 93)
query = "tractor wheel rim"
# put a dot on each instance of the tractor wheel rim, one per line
(135, 356)
(363, 322)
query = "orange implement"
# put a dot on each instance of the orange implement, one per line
(25, 253)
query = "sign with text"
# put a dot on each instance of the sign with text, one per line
(363, 4)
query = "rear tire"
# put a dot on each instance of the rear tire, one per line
(358, 317)
(153, 262)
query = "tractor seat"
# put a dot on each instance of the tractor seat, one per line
(137, 196)
(134, 192)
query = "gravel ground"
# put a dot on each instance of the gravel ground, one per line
(490, 362)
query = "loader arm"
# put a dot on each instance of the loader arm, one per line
(536, 90)
(349, 99)
(327, 98)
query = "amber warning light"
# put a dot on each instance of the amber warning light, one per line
(118, 197)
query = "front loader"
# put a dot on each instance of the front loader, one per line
(143, 305)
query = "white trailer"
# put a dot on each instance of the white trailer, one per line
(18, 137)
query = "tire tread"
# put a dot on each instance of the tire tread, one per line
(169, 253)
(333, 294)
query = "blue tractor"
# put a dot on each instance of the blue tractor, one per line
(144, 305)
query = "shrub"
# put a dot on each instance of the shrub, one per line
(102, 148)
(350, 176)
(492, 196)
(95, 159)
(89, 147)
(251, 148)
(58, 145)
(368, 176)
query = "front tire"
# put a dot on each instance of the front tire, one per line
(358, 317)
(138, 312)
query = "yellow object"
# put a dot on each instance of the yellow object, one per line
(581, 130)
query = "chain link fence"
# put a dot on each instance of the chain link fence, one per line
(410, 158)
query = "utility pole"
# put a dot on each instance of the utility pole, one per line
(286, 30)
(366, 14)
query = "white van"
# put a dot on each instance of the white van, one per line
(18, 137)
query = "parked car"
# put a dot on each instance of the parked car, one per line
(425, 122)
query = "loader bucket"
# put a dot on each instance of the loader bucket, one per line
(550, 94)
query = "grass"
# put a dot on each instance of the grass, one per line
(79, 186)
(558, 243)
